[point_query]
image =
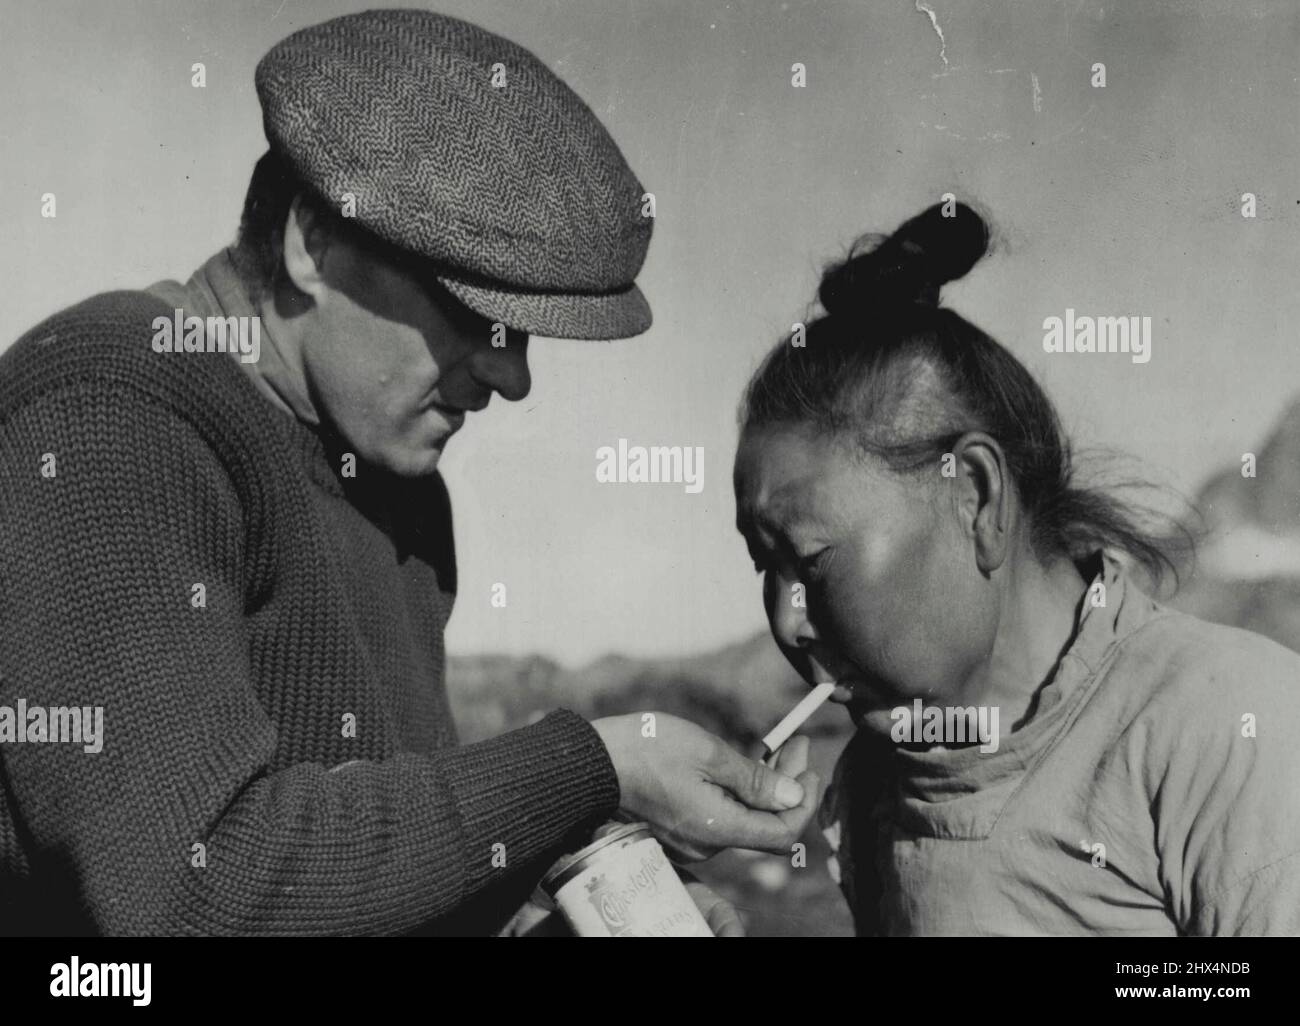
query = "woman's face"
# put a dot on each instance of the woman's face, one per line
(868, 577)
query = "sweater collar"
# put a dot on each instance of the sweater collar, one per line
(216, 290)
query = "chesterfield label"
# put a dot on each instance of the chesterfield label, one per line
(623, 885)
(613, 903)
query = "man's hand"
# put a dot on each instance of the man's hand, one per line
(718, 912)
(699, 795)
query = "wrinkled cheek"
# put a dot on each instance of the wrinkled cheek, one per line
(879, 618)
(859, 631)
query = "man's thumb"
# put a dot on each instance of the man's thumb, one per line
(756, 785)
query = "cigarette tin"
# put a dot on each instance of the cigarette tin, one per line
(622, 885)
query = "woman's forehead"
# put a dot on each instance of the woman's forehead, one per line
(774, 458)
(780, 478)
(785, 479)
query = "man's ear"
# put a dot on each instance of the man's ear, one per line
(984, 497)
(305, 242)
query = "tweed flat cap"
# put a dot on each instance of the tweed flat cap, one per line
(465, 149)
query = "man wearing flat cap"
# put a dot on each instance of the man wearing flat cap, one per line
(241, 556)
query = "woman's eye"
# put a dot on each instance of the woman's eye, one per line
(812, 565)
(809, 566)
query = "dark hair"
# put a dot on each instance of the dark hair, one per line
(906, 377)
(259, 250)
(258, 253)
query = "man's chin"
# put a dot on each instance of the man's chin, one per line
(414, 462)
(426, 465)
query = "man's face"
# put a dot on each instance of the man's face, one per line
(394, 363)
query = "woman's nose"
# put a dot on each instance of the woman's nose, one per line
(789, 615)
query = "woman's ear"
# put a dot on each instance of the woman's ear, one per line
(305, 242)
(984, 497)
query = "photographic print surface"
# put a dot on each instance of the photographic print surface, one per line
(857, 441)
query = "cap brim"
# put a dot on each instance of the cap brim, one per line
(558, 315)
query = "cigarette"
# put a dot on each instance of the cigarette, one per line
(795, 718)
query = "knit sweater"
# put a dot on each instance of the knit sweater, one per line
(278, 755)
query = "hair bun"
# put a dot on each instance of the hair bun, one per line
(906, 268)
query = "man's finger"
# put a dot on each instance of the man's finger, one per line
(753, 784)
(792, 759)
(797, 819)
(720, 914)
(680, 849)
(732, 825)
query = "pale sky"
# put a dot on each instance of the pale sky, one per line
(1115, 201)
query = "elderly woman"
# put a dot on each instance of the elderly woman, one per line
(906, 493)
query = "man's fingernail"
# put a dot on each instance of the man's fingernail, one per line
(789, 792)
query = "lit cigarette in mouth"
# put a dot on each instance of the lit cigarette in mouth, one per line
(795, 718)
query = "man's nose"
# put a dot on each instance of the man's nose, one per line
(504, 369)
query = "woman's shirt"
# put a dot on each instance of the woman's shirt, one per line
(1154, 791)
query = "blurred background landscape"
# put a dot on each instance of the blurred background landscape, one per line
(1247, 575)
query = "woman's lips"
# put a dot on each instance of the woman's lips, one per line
(845, 691)
(853, 689)
(850, 681)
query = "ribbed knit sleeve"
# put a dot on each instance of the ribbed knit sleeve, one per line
(99, 564)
